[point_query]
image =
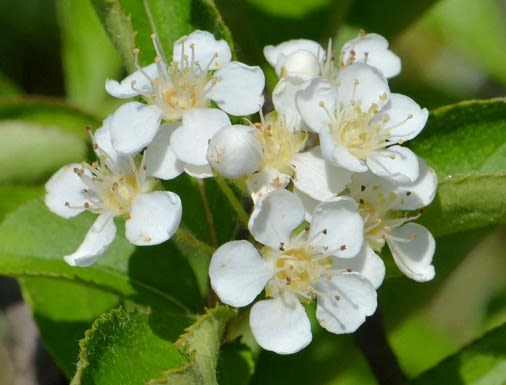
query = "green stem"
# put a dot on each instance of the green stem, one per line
(184, 237)
(233, 200)
(208, 213)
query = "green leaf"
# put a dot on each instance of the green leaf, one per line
(63, 319)
(388, 17)
(11, 197)
(400, 297)
(466, 144)
(481, 363)
(130, 24)
(129, 347)
(459, 24)
(88, 55)
(236, 364)
(33, 242)
(38, 136)
(200, 345)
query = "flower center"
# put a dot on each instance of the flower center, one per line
(297, 269)
(279, 143)
(177, 90)
(354, 129)
(379, 220)
(112, 186)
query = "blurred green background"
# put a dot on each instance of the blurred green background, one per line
(455, 50)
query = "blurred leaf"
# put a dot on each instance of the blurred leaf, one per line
(129, 26)
(256, 23)
(389, 17)
(122, 347)
(288, 8)
(466, 144)
(33, 242)
(474, 28)
(200, 345)
(399, 297)
(330, 359)
(38, 136)
(415, 357)
(481, 363)
(88, 55)
(8, 87)
(12, 197)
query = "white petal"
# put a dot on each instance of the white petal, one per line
(367, 263)
(238, 273)
(345, 302)
(418, 194)
(266, 181)
(138, 83)
(203, 48)
(199, 172)
(372, 49)
(308, 203)
(318, 178)
(133, 126)
(337, 227)
(276, 55)
(317, 103)
(337, 154)
(404, 118)
(160, 160)
(397, 164)
(274, 218)
(413, 248)
(301, 63)
(283, 98)
(154, 218)
(238, 89)
(64, 192)
(362, 85)
(234, 151)
(190, 140)
(97, 240)
(280, 325)
(102, 139)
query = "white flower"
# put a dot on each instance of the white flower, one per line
(296, 268)
(200, 73)
(412, 245)
(300, 57)
(269, 155)
(371, 49)
(115, 185)
(307, 59)
(361, 124)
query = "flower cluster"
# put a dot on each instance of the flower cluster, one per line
(326, 169)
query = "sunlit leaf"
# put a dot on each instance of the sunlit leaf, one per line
(87, 53)
(64, 310)
(33, 242)
(201, 345)
(129, 347)
(38, 136)
(130, 24)
(481, 363)
(466, 144)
